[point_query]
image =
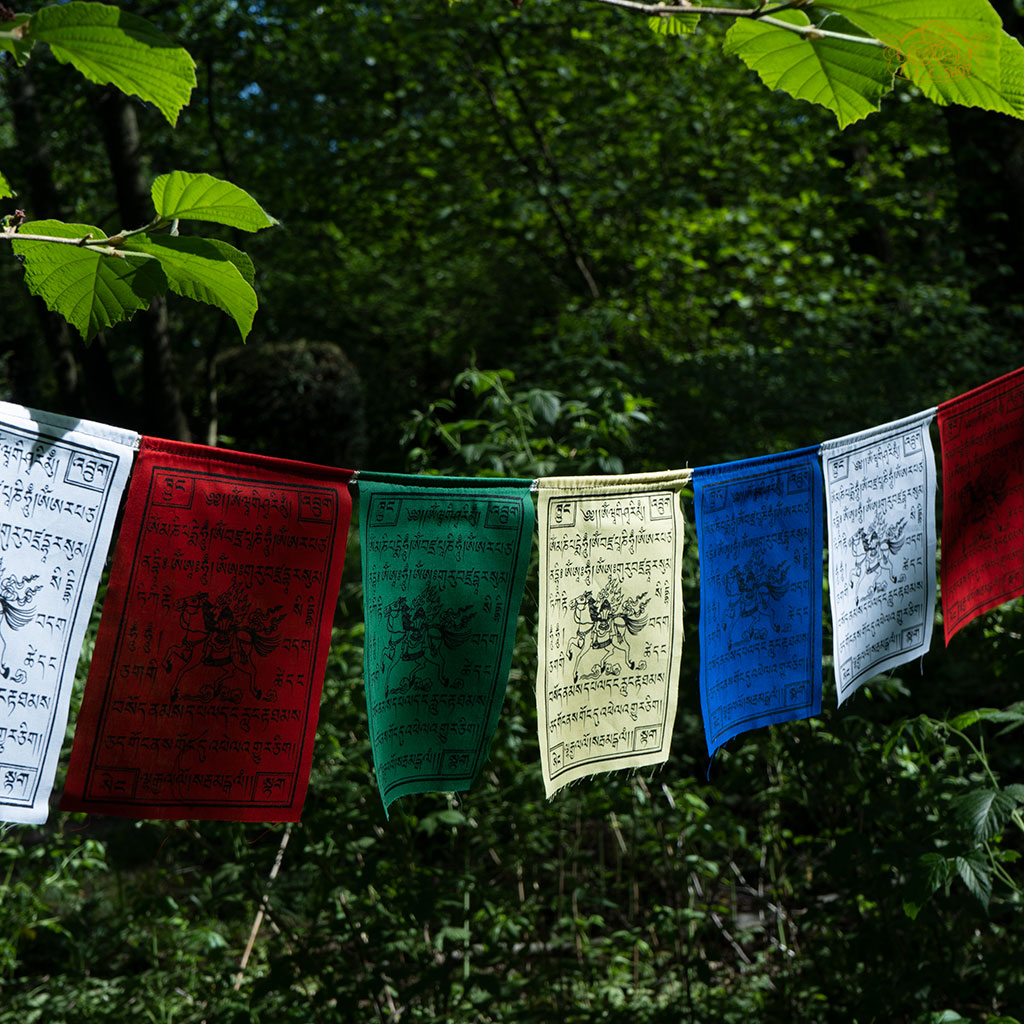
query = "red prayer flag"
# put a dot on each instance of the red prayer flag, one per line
(204, 688)
(982, 434)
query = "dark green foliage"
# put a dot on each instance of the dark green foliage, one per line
(271, 395)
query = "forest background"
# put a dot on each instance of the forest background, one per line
(523, 242)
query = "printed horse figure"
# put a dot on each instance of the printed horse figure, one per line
(15, 612)
(756, 606)
(414, 657)
(873, 554)
(217, 638)
(601, 630)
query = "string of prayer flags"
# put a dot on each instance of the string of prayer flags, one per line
(61, 481)
(610, 634)
(444, 566)
(204, 690)
(982, 438)
(759, 535)
(880, 496)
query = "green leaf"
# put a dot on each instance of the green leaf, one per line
(847, 77)
(974, 871)
(674, 24)
(110, 46)
(930, 872)
(1015, 790)
(91, 291)
(183, 196)
(205, 270)
(545, 405)
(1012, 716)
(968, 718)
(984, 811)
(5, 189)
(955, 51)
(16, 44)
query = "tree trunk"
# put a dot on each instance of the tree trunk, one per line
(163, 411)
(43, 204)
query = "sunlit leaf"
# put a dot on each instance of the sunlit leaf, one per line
(183, 196)
(955, 51)
(111, 46)
(1012, 717)
(674, 24)
(847, 77)
(91, 291)
(205, 270)
(969, 718)
(17, 44)
(5, 189)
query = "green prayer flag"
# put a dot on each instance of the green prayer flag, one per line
(444, 564)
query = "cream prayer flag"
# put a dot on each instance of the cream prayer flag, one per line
(880, 491)
(61, 481)
(611, 622)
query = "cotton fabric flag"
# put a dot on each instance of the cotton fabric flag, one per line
(880, 495)
(610, 635)
(444, 565)
(205, 684)
(982, 437)
(759, 535)
(61, 481)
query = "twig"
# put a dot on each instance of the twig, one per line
(720, 925)
(759, 13)
(257, 923)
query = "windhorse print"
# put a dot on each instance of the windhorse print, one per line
(16, 612)
(759, 531)
(605, 625)
(880, 486)
(611, 622)
(444, 563)
(60, 488)
(757, 590)
(205, 684)
(874, 553)
(420, 633)
(222, 640)
(982, 436)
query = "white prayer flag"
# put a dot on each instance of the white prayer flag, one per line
(61, 481)
(611, 622)
(880, 492)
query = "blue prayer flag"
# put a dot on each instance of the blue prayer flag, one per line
(759, 534)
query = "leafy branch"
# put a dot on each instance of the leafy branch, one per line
(94, 279)
(983, 812)
(846, 54)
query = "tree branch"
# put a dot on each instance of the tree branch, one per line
(685, 8)
(760, 13)
(105, 246)
(101, 245)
